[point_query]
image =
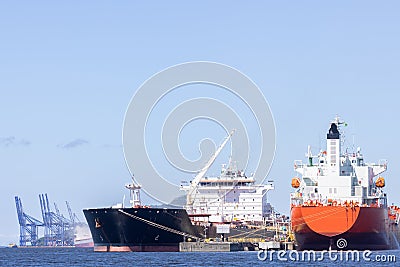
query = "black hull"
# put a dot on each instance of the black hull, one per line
(114, 230)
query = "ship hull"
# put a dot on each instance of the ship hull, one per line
(341, 228)
(139, 229)
(85, 243)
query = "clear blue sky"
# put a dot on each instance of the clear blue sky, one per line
(68, 71)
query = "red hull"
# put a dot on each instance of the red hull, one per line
(158, 248)
(85, 245)
(340, 227)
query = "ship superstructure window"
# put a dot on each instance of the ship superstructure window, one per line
(333, 152)
(333, 190)
(308, 181)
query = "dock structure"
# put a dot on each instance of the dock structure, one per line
(276, 245)
(215, 246)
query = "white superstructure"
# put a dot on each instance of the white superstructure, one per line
(336, 177)
(230, 197)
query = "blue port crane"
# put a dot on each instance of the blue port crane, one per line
(72, 216)
(58, 230)
(28, 226)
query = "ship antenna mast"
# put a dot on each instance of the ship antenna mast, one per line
(134, 189)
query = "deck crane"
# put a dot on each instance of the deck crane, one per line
(192, 187)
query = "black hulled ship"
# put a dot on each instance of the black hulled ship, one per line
(140, 228)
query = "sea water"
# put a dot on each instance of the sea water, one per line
(86, 257)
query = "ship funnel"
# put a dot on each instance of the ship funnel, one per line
(333, 132)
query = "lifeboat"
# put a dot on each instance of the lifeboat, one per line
(295, 182)
(380, 182)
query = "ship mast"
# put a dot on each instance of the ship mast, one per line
(134, 189)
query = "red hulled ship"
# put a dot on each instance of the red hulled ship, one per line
(339, 203)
